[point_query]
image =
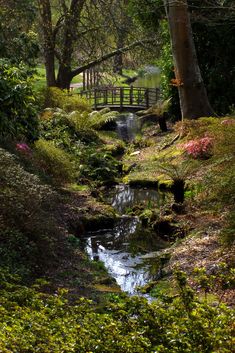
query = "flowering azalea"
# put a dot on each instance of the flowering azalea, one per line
(228, 122)
(23, 147)
(199, 148)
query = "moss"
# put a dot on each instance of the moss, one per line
(107, 289)
(165, 185)
(98, 221)
(163, 287)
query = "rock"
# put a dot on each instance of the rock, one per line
(135, 153)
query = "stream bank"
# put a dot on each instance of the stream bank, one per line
(195, 243)
(133, 251)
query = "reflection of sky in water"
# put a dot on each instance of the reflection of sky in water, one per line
(115, 246)
(121, 266)
(111, 247)
(124, 197)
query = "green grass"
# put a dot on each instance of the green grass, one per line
(116, 80)
(40, 77)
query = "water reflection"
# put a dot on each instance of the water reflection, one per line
(124, 259)
(113, 248)
(150, 78)
(123, 197)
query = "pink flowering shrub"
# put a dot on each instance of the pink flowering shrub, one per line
(228, 122)
(199, 148)
(23, 147)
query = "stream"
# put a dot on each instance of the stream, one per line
(128, 250)
(128, 126)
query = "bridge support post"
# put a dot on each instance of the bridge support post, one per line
(147, 97)
(121, 97)
(131, 95)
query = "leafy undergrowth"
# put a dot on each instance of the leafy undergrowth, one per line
(32, 321)
(203, 157)
(38, 225)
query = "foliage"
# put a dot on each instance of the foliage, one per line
(18, 105)
(175, 170)
(31, 321)
(216, 63)
(101, 167)
(57, 98)
(74, 132)
(18, 40)
(95, 120)
(27, 234)
(54, 161)
(165, 62)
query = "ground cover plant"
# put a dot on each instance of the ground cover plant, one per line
(56, 164)
(32, 321)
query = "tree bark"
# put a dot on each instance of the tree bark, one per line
(71, 20)
(194, 102)
(48, 41)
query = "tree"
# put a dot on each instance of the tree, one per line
(18, 40)
(213, 25)
(63, 39)
(194, 102)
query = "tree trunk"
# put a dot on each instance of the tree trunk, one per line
(64, 77)
(194, 102)
(178, 190)
(48, 40)
(50, 68)
(118, 59)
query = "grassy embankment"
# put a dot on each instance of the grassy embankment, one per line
(46, 203)
(203, 157)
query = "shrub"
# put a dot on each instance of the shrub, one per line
(18, 107)
(56, 98)
(199, 148)
(31, 321)
(54, 161)
(27, 234)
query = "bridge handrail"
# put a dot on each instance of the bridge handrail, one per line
(122, 96)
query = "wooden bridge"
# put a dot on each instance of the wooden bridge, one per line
(122, 98)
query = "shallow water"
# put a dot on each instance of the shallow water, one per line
(123, 197)
(126, 249)
(149, 79)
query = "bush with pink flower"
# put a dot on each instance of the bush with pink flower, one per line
(23, 147)
(199, 148)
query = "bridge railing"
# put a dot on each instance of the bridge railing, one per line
(122, 96)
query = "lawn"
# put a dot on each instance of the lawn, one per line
(40, 77)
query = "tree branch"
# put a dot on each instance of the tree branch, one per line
(110, 55)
